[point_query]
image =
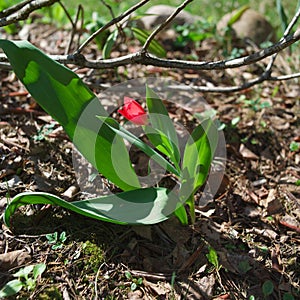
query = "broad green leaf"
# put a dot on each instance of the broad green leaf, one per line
(161, 122)
(11, 288)
(24, 272)
(63, 95)
(38, 270)
(127, 135)
(110, 42)
(268, 288)
(140, 206)
(197, 158)
(154, 47)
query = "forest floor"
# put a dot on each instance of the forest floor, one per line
(245, 241)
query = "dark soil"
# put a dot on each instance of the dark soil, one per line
(252, 223)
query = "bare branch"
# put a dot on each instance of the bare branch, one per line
(144, 58)
(148, 59)
(23, 12)
(164, 24)
(80, 10)
(285, 34)
(112, 22)
(120, 29)
(14, 8)
(231, 89)
(285, 77)
(292, 23)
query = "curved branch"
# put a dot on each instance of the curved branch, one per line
(144, 58)
(230, 89)
(8, 11)
(12, 15)
(285, 34)
(148, 59)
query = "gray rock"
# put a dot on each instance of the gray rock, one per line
(159, 13)
(251, 25)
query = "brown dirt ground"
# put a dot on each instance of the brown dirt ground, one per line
(253, 223)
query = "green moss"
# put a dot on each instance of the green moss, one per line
(51, 293)
(93, 255)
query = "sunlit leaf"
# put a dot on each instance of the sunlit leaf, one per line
(110, 42)
(38, 270)
(154, 47)
(161, 122)
(141, 206)
(197, 158)
(63, 95)
(212, 257)
(237, 15)
(181, 214)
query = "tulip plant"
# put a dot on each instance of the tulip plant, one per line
(101, 140)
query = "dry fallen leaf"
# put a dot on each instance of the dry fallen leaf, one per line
(272, 203)
(13, 259)
(135, 295)
(246, 153)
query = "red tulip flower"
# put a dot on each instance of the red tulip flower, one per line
(133, 112)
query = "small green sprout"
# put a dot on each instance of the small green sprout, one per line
(294, 146)
(135, 282)
(212, 257)
(57, 241)
(26, 278)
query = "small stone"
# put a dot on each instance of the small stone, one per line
(159, 13)
(251, 25)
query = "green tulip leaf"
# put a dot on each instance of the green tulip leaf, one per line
(140, 206)
(63, 95)
(197, 158)
(165, 134)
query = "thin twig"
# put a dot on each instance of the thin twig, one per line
(285, 34)
(237, 88)
(164, 24)
(23, 13)
(67, 13)
(74, 26)
(144, 58)
(107, 25)
(113, 16)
